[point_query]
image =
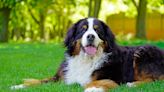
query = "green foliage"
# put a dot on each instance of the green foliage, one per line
(30, 18)
(110, 7)
(156, 5)
(8, 3)
(19, 61)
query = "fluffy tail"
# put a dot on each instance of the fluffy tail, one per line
(33, 82)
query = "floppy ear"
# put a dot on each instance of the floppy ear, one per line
(70, 41)
(70, 35)
(109, 37)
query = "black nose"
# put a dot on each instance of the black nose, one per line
(90, 38)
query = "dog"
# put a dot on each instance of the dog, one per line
(95, 61)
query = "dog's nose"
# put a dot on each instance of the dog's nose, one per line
(90, 37)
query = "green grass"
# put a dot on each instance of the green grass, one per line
(19, 61)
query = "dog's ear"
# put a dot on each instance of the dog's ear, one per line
(70, 37)
(109, 37)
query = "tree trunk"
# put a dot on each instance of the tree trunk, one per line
(41, 27)
(161, 22)
(94, 8)
(97, 8)
(90, 8)
(4, 19)
(141, 20)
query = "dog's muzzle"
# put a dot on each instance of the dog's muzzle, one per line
(90, 48)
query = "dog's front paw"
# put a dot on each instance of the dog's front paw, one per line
(94, 89)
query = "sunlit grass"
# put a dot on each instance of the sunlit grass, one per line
(19, 61)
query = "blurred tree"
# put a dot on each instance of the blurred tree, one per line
(61, 12)
(5, 9)
(37, 20)
(18, 21)
(141, 7)
(94, 8)
(4, 19)
(51, 17)
(40, 8)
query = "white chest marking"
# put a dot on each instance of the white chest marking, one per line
(81, 67)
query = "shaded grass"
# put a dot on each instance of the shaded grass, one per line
(19, 61)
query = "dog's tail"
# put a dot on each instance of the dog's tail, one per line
(33, 82)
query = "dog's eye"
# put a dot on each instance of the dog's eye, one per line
(84, 26)
(95, 26)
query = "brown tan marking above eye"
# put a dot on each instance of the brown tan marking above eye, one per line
(95, 26)
(84, 26)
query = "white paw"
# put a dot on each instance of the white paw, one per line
(17, 87)
(130, 84)
(94, 89)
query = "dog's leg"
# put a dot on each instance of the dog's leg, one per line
(100, 86)
(136, 83)
(145, 60)
(32, 82)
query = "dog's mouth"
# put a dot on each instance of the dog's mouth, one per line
(90, 50)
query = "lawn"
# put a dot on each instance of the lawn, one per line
(19, 61)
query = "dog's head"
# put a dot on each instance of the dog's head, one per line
(88, 36)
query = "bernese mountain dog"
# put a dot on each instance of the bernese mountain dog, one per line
(96, 62)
